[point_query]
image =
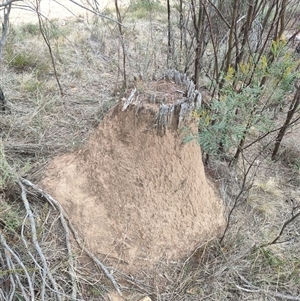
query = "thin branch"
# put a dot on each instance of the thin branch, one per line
(69, 251)
(219, 13)
(47, 41)
(270, 132)
(291, 112)
(254, 289)
(122, 42)
(11, 267)
(12, 284)
(286, 223)
(51, 200)
(14, 255)
(243, 189)
(96, 13)
(70, 255)
(43, 279)
(46, 270)
(8, 2)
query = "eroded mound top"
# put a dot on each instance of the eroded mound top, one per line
(136, 197)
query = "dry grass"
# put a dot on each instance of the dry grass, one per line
(42, 123)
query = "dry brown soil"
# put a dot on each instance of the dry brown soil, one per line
(134, 196)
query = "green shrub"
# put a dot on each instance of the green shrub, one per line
(30, 28)
(141, 8)
(22, 61)
(145, 4)
(32, 85)
(226, 122)
(10, 217)
(54, 30)
(26, 59)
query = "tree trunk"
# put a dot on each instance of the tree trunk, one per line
(5, 27)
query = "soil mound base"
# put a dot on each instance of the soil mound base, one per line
(134, 196)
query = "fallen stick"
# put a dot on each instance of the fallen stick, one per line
(64, 217)
(46, 271)
(17, 259)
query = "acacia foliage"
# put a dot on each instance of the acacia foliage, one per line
(250, 65)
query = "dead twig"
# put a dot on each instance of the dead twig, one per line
(10, 253)
(254, 289)
(285, 224)
(45, 271)
(68, 225)
(43, 279)
(46, 38)
(96, 13)
(12, 285)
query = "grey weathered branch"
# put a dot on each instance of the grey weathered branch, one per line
(21, 264)
(96, 13)
(46, 271)
(12, 285)
(64, 219)
(38, 266)
(9, 2)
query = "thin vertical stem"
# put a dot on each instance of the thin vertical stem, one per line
(119, 18)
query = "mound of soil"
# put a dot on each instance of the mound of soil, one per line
(135, 196)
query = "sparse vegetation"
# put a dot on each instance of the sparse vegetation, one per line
(237, 52)
(142, 8)
(30, 28)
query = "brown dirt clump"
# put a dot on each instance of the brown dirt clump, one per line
(135, 196)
